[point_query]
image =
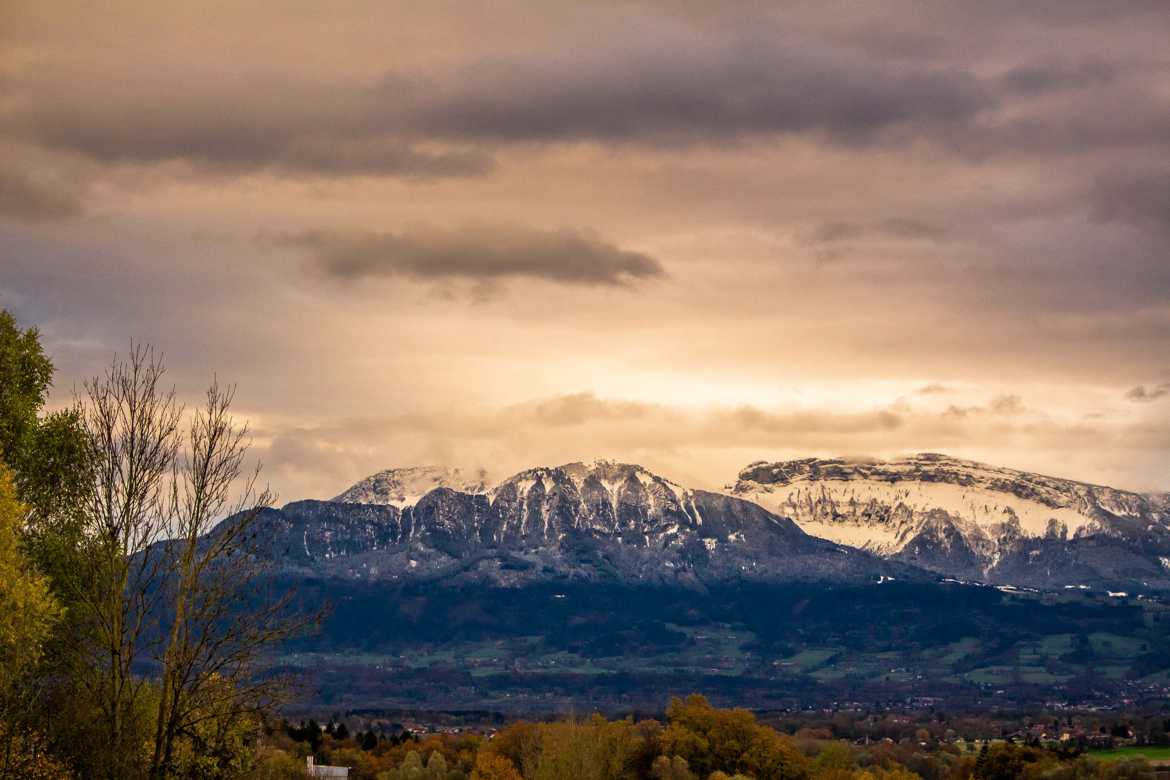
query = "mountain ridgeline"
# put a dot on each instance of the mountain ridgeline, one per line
(975, 522)
(923, 518)
(602, 522)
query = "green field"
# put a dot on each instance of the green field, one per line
(1152, 753)
(1110, 645)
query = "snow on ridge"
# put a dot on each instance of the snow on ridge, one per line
(978, 488)
(883, 516)
(612, 475)
(403, 487)
(927, 465)
(930, 502)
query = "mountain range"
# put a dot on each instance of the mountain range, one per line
(593, 522)
(604, 584)
(922, 517)
(973, 521)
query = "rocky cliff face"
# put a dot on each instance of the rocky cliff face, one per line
(598, 521)
(970, 520)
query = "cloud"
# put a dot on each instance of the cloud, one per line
(483, 253)
(661, 84)
(904, 229)
(637, 78)
(835, 239)
(709, 443)
(649, 82)
(832, 232)
(934, 388)
(26, 196)
(582, 408)
(1135, 197)
(1007, 404)
(751, 420)
(244, 123)
(369, 156)
(1044, 76)
(1142, 393)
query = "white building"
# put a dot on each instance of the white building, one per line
(324, 770)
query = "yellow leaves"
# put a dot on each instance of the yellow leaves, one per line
(675, 768)
(492, 766)
(27, 608)
(24, 754)
(729, 741)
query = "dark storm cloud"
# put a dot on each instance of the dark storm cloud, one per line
(477, 252)
(24, 196)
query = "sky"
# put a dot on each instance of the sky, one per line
(689, 235)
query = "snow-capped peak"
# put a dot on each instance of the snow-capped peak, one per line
(616, 479)
(958, 516)
(403, 487)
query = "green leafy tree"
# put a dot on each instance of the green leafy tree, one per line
(47, 453)
(25, 376)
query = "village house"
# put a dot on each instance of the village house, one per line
(324, 770)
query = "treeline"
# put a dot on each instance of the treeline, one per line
(129, 627)
(696, 742)
(1085, 729)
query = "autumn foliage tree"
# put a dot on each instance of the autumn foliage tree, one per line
(729, 741)
(28, 615)
(493, 766)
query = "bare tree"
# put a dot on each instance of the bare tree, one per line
(173, 574)
(132, 426)
(215, 638)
